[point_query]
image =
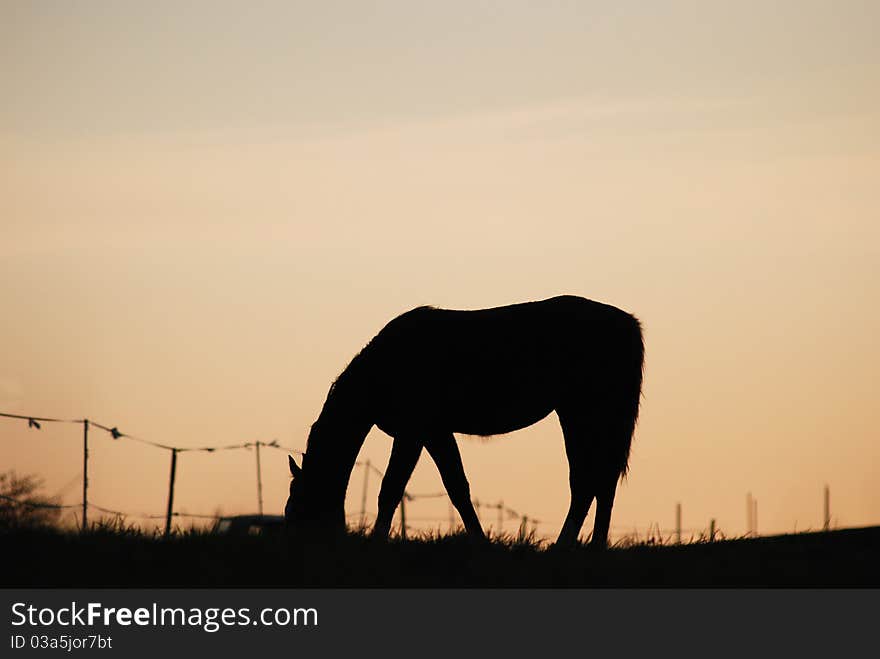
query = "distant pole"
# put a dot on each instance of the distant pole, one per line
(750, 527)
(171, 491)
(827, 521)
(500, 517)
(259, 481)
(755, 516)
(678, 523)
(711, 530)
(85, 520)
(403, 516)
(364, 495)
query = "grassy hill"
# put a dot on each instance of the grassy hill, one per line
(119, 556)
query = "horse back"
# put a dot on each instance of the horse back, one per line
(495, 370)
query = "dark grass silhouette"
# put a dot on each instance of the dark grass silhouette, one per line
(432, 372)
(119, 555)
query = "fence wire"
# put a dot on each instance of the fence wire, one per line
(35, 421)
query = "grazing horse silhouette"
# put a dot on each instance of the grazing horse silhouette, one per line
(433, 372)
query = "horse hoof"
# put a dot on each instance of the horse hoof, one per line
(477, 540)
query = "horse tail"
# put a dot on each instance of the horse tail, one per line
(630, 370)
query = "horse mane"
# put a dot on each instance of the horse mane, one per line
(337, 401)
(350, 373)
(360, 363)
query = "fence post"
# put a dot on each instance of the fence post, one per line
(826, 524)
(403, 516)
(85, 520)
(171, 491)
(678, 523)
(259, 481)
(364, 495)
(750, 527)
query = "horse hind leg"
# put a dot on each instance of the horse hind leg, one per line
(611, 454)
(604, 503)
(405, 454)
(591, 476)
(581, 498)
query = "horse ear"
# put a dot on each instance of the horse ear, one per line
(294, 468)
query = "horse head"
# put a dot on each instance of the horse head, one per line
(308, 510)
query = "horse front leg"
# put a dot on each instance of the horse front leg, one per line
(405, 454)
(444, 451)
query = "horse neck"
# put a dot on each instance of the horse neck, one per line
(341, 428)
(333, 447)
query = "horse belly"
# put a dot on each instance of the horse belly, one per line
(500, 406)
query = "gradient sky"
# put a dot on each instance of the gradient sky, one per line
(208, 208)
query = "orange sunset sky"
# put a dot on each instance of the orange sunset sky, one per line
(208, 208)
